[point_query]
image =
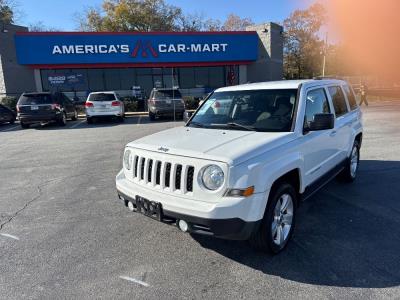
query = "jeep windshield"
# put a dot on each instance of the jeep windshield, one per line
(252, 110)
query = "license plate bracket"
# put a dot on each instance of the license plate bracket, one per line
(149, 208)
(34, 107)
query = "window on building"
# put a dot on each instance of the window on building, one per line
(216, 77)
(201, 77)
(96, 80)
(186, 78)
(128, 78)
(112, 79)
(338, 100)
(316, 103)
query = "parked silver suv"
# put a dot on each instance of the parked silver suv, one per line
(165, 102)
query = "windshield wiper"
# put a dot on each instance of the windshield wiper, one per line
(237, 125)
(197, 124)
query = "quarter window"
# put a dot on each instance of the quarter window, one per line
(316, 103)
(338, 100)
(350, 97)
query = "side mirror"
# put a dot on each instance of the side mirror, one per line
(321, 122)
(187, 115)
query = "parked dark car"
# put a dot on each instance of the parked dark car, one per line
(6, 115)
(166, 102)
(44, 108)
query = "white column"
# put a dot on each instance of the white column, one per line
(242, 74)
(38, 80)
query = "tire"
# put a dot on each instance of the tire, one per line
(24, 126)
(265, 238)
(89, 120)
(349, 172)
(12, 121)
(63, 120)
(121, 119)
(75, 117)
(152, 116)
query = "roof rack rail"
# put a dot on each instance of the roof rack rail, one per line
(327, 77)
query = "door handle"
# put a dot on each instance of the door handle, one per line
(333, 133)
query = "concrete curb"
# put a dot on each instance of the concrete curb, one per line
(130, 113)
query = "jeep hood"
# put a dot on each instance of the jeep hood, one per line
(229, 146)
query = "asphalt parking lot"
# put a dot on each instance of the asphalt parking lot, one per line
(63, 234)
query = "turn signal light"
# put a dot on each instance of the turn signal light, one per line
(247, 192)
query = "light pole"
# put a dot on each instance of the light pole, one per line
(325, 50)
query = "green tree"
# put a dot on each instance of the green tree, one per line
(6, 12)
(303, 47)
(131, 15)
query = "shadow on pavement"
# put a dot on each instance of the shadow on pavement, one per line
(347, 235)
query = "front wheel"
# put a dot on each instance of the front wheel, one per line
(75, 116)
(349, 172)
(277, 225)
(63, 120)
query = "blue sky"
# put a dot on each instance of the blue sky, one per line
(60, 14)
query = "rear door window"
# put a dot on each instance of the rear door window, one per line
(338, 100)
(35, 99)
(350, 97)
(102, 97)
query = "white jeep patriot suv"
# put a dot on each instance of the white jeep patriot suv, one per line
(246, 158)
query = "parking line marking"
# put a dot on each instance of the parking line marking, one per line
(10, 236)
(77, 124)
(134, 280)
(7, 129)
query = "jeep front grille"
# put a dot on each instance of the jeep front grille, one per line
(174, 176)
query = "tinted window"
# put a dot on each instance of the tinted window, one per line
(338, 100)
(167, 94)
(258, 110)
(350, 97)
(29, 99)
(102, 97)
(316, 103)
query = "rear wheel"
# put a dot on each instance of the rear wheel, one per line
(277, 225)
(121, 119)
(12, 121)
(349, 173)
(89, 120)
(152, 116)
(24, 125)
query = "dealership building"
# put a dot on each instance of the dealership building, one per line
(133, 63)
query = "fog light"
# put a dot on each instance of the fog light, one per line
(131, 206)
(183, 225)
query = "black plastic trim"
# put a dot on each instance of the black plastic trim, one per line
(232, 228)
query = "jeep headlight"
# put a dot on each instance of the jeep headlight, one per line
(213, 177)
(127, 159)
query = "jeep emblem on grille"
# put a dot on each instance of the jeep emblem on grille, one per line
(163, 149)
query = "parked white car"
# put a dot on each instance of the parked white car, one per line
(240, 172)
(104, 104)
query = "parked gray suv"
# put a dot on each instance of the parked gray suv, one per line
(165, 102)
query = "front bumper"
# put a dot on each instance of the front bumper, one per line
(233, 218)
